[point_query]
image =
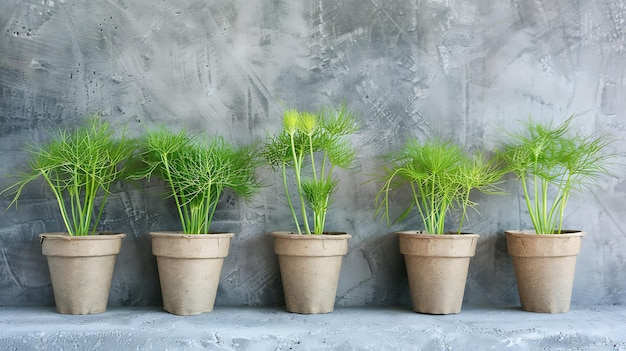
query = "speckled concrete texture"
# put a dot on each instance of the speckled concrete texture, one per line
(257, 329)
(458, 69)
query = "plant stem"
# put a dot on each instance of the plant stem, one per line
(312, 158)
(168, 175)
(527, 199)
(212, 204)
(289, 201)
(297, 167)
(101, 210)
(420, 203)
(464, 205)
(59, 198)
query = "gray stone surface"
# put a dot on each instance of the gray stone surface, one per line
(238, 328)
(460, 69)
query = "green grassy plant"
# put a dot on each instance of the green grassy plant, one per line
(553, 163)
(197, 170)
(78, 166)
(311, 145)
(441, 176)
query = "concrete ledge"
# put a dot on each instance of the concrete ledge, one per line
(252, 328)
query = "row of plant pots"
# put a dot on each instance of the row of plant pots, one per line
(190, 266)
(81, 165)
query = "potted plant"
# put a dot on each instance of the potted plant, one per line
(551, 163)
(79, 167)
(441, 177)
(306, 153)
(196, 171)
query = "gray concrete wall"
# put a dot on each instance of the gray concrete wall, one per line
(456, 68)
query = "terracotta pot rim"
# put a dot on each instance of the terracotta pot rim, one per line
(296, 236)
(179, 234)
(530, 232)
(449, 236)
(66, 236)
(63, 245)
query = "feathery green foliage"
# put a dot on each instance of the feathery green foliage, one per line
(552, 163)
(312, 145)
(78, 166)
(441, 176)
(197, 170)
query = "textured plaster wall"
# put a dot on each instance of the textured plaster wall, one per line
(460, 69)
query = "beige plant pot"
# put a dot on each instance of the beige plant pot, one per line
(189, 267)
(437, 268)
(309, 268)
(544, 268)
(81, 269)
